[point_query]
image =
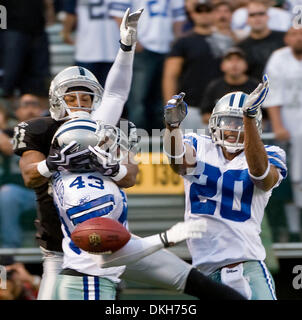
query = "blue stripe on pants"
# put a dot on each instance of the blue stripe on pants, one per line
(85, 282)
(97, 288)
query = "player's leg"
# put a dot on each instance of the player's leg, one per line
(166, 270)
(83, 287)
(157, 270)
(259, 284)
(260, 279)
(52, 265)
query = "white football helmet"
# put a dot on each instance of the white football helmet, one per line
(87, 132)
(227, 115)
(73, 77)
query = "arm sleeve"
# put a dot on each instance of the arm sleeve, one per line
(25, 139)
(117, 88)
(277, 157)
(135, 249)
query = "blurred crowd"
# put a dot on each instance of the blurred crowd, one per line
(203, 48)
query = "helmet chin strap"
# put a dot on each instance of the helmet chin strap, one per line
(79, 114)
(231, 149)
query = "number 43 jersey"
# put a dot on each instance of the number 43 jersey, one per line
(222, 192)
(82, 196)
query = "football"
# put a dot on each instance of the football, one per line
(100, 235)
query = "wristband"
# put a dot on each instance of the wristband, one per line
(175, 157)
(43, 169)
(125, 47)
(265, 174)
(121, 173)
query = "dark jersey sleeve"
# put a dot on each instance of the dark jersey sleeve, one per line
(35, 134)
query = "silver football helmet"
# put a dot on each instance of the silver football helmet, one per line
(73, 77)
(227, 115)
(87, 132)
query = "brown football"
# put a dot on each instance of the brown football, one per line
(100, 235)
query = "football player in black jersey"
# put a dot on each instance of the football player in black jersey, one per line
(74, 91)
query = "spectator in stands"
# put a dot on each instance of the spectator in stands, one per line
(262, 41)
(15, 198)
(25, 51)
(162, 23)
(284, 106)
(278, 18)
(191, 64)
(97, 35)
(234, 67)
(222, 17)
(20, 284)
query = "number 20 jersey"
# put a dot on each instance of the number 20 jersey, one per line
(222, 192)
(79, 197)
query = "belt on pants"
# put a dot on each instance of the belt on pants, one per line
(72, 272)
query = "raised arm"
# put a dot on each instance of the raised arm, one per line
(181, 155)
(263, 174)
(119, 78)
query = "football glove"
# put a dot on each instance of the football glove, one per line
(184, 230)
(67, 158)
(175, 110)
(103, 162)
(128, 29)
(256, 98)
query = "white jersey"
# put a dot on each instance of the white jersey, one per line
(97, 34)
(285, 76)
(155, 28)
(82, 196)
(222, 192)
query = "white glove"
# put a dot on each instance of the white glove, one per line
(256, 98)
(175, 110)
(184, 230)
(128, 28)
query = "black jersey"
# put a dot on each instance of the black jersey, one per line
(37, 134)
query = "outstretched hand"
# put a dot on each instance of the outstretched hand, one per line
(175, 110)
(256, 98)
(128, 28)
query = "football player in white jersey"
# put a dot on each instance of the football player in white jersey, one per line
(228, 180)
(32, 140)
(70, 97)
(84, 195)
